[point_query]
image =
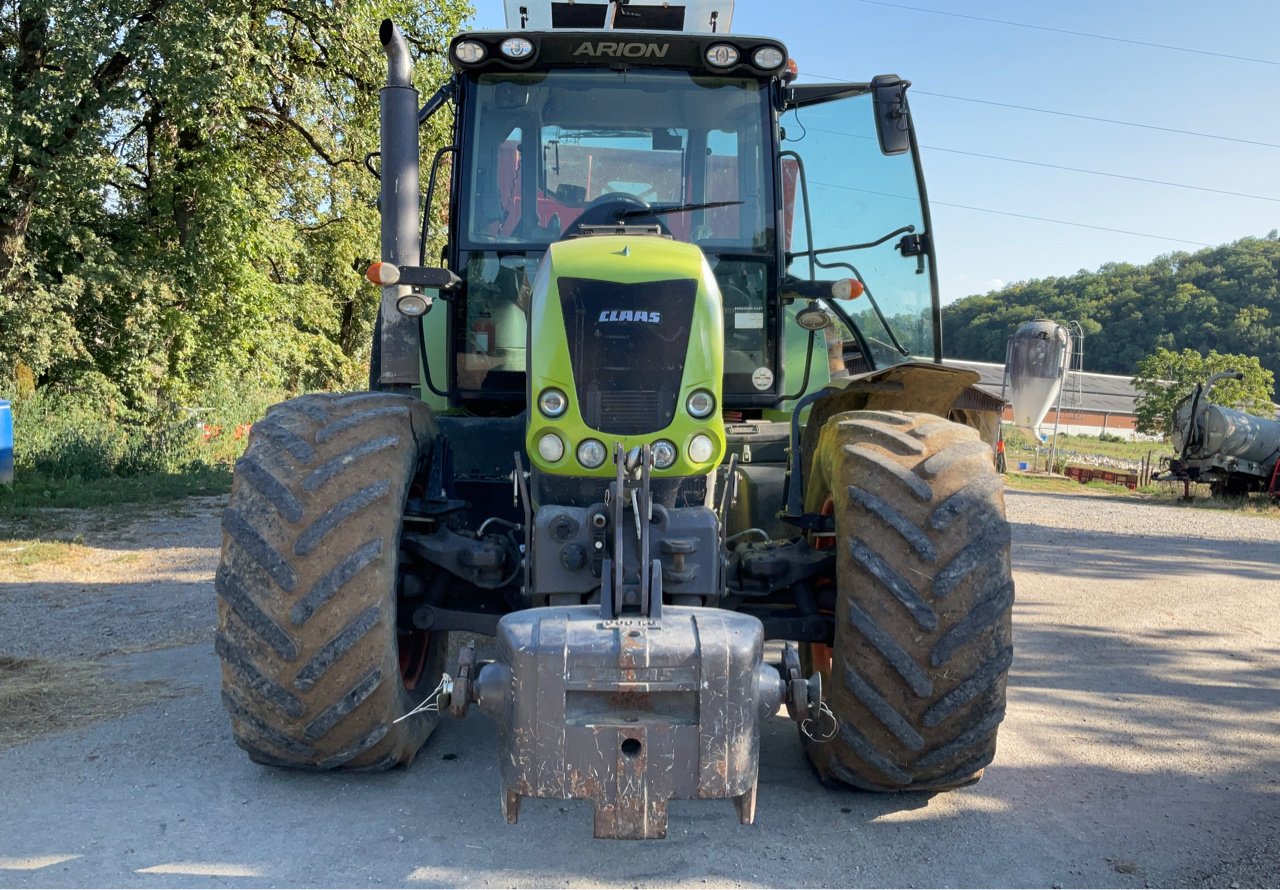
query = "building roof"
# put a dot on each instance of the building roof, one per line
(1105, 393)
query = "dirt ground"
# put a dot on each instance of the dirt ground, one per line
(1141, 748)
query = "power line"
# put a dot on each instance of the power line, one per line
(1103, 120)
(976, 18)
(975, 154)
(1179, 185)
(1061, 222)
(1087, 117)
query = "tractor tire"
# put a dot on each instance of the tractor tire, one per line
(314, 666)
(915, 678)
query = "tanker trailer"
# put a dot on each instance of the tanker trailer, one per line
(1234, 452)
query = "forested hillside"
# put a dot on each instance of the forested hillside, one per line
(1225, 298)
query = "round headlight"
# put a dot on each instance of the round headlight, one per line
(701, 448)
(722, 55)
(517, 48)
(551, 448)
(700, 403)
(591, 453)
(552, 402)
(664, 454)
(469, 52)
(414, 305)
(768, 57)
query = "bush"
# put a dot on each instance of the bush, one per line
(84, 434)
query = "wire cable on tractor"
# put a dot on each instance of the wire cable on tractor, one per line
(674, 392)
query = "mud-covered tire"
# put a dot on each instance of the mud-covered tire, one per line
(923, 638)
(307, 586)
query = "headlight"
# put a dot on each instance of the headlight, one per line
(518, 48)
(469, 52)
(414, 305)
(768, 57)
(722, 55)
(551, 448)
(591, 453)
(701, 448)
(700, 404)
(552, 402)
(664, 454)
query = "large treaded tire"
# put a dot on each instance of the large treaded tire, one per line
(307, 586)
(923, 638)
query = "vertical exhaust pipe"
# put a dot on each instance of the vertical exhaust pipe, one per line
(398, 202)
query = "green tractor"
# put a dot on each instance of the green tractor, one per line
(672, 391)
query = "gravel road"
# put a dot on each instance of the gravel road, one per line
(1142, 745)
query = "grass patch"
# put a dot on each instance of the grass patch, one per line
(1083, 447)
(37, 491)
(15, 554)
(83, 447)
(39, 697)
(1059, 485)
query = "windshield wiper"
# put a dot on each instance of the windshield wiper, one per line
(675, 208)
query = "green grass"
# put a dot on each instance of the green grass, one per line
(1060, 484)
(15, 554)
(36, 491)
(1016, 442)
(80, 447)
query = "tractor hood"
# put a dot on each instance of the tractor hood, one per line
(628, 328)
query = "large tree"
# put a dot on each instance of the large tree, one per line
(1165, 378)
(184, 187)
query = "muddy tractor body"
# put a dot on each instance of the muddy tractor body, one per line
(664, 417)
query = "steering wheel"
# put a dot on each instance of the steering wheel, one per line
(607, 210)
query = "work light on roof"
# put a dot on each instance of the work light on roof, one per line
(768, 58)
(722, 55)
(469, 52)
(517, 48)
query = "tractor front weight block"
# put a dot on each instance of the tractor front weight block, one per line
(629, 712)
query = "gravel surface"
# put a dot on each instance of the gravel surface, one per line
(1141, 748)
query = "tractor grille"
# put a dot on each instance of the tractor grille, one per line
(631, 413)
(628, 344)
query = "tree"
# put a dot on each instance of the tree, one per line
(184, 195)
(1166, 377)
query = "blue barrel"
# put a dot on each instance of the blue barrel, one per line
(6, 443)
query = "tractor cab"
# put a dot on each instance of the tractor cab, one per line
(562, 121)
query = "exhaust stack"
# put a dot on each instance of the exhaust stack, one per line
(398, 202)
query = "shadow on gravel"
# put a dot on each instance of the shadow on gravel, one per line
(1106, 555)
(60, 620)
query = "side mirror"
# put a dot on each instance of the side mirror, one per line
(893, 118)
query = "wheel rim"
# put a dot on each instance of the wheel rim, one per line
(414, 647)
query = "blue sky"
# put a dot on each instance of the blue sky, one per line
(978, 251)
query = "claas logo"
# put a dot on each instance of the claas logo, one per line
(639, 315)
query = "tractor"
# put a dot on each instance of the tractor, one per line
(671, 391)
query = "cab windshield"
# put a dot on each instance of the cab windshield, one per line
(543, 147)
(547, 145)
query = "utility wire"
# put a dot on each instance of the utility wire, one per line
(1061, 222)
(977, 18)
(1103, 120)
(975, 154)
(1087, 117)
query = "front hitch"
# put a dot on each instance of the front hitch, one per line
(634, 702)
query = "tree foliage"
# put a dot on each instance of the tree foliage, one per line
(1166, 377)
(1225, 298)
(183, 192)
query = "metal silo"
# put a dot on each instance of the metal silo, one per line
(1036, 364)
